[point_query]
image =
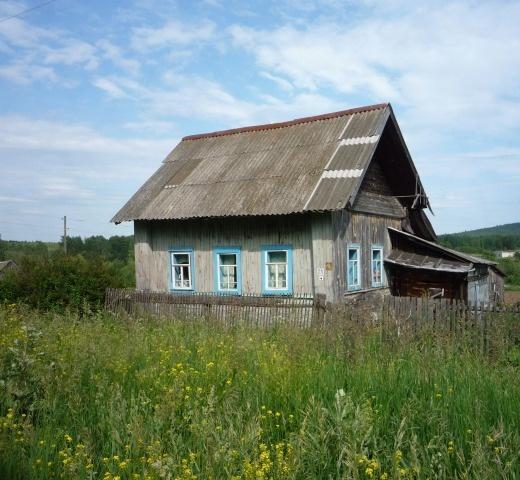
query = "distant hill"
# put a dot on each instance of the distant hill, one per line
(501, 237)
(507, 229)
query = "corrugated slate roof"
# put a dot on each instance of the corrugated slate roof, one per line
(307, 164)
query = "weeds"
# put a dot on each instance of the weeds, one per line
(104, 398)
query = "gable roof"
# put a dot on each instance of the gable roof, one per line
(308, 164)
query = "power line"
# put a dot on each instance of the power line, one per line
(27, 10)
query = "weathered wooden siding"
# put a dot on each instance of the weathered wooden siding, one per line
(496, 286)
(376, 196)
(407, 282)
(154, 239)
(365, 230)
(323, 255)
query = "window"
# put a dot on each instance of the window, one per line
(227, 270)
(277, 269)
(353, 267)
(377, 266)
(181, 269)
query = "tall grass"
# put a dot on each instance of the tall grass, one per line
(106, 398)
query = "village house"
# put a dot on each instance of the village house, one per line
(330, 204)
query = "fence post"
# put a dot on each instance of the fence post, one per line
(319, 307)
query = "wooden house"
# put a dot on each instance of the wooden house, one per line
(330, 204)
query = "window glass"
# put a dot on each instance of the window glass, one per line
(377, 267)
(228, 272)
(181, 270)
(353, 268)
(276, 265)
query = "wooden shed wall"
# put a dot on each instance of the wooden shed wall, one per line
(496, 286)
(153, 239)
(408, 282)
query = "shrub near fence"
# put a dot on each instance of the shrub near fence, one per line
(487, 327)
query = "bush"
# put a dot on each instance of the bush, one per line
(61, 282)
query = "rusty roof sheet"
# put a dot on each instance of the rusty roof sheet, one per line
(308, 164)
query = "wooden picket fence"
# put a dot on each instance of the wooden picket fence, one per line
(395, 317)
(486, 326)
(254, 310)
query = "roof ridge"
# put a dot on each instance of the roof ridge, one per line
(289, 123)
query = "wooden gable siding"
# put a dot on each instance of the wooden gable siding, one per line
(364, 230)
(375, 194)
(153, 239)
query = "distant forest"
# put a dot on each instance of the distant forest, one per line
(116, 248)
(485, 240)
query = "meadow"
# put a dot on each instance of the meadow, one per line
(99, 396)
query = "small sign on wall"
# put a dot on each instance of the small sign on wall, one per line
(321, 273)
(328, 266)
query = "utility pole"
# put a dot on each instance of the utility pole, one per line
(65, 234)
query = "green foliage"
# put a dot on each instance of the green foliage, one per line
(62, 281)
(105, 398)
(485, 242)
(511, 267)
(16, 250)
(118, 248)
(479, 243)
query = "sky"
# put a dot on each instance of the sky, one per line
(94, 95)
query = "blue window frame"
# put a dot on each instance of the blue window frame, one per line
(353, 266)
(277, 266)
(181, 275)
(377, 270)
(227, 270)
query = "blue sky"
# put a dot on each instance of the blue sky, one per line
(93, 95)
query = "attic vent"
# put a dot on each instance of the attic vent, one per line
(182, 169)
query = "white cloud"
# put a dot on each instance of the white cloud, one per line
(71, 52)
(109, 87)
(18, 33)
(61, 187)
(279, 81)
(115, 54)
(4, 198)
(19, 133)
(451, 66)
(172, 33)
(24, 74)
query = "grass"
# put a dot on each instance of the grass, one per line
(101, 397)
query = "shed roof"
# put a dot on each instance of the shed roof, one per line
(440, 259)
(307, 164)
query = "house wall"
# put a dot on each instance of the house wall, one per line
(153, 239)
(365, 230)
